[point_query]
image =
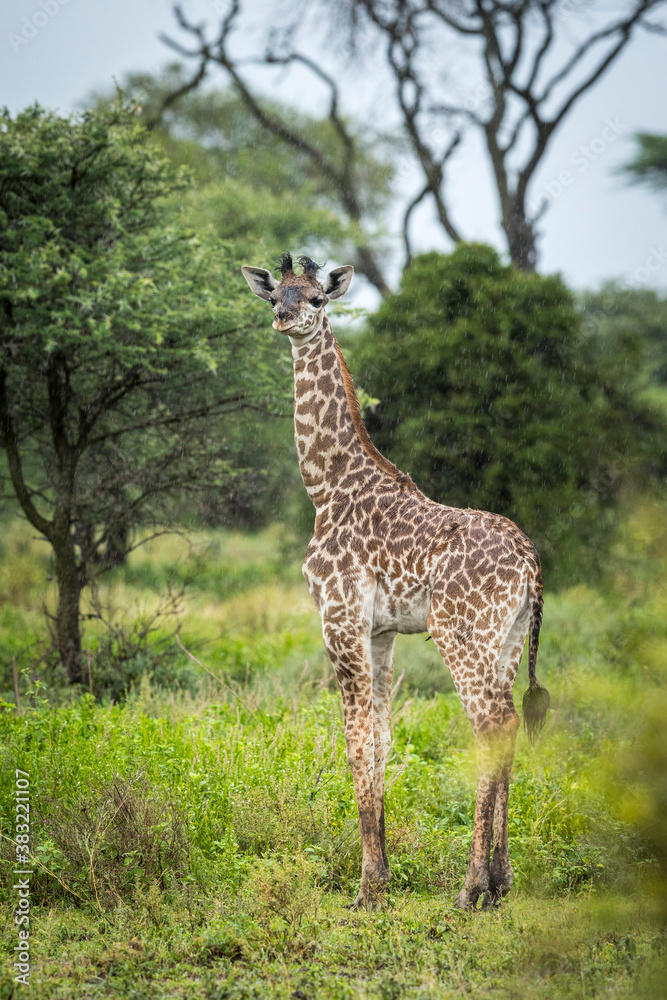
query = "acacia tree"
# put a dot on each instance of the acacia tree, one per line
(526, 65)
(125, 341)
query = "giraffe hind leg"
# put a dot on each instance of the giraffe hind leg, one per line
(482, 680)
(501, 876)
(474, 673)
(489, 877)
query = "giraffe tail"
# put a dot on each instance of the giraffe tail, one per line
(536, 700)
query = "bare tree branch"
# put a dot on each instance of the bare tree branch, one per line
(342, 178)
(173, 418)
(512, 58)
(175, 95)
(406, 223)
(513, 42)
(402, 42)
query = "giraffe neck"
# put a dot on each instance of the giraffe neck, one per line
(335, 453)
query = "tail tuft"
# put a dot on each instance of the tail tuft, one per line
(536, 703)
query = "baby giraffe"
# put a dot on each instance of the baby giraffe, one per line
(385, 559)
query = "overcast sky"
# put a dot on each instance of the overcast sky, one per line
(597, 227)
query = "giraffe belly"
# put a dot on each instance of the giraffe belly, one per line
(405, 613)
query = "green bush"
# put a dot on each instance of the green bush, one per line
(491, 398)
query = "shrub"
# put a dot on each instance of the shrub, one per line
(122, 840)
(492, 398)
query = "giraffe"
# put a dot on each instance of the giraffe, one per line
(385, 559)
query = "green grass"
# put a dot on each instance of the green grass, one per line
(417, 947)
(197, 838)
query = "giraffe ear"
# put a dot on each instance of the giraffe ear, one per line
(261, 281)
(338, 281)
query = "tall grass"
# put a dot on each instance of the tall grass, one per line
(208, 814)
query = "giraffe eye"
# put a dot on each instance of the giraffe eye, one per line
(317, 301)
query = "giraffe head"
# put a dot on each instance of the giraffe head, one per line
(298, 300)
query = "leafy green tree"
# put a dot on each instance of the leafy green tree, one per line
(126, 341)
(492, 398)
(615, 314)
(257, 190)
(261, 196)
(650, 163)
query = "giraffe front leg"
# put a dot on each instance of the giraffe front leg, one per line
(349, 652)
(374, 865)
(382, 656)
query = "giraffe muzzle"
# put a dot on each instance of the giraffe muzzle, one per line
(282, 325)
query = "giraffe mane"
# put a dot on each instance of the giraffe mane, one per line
(360, 427)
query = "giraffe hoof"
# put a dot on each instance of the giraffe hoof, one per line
(371, 893)
(365, 903)
(501, 880)
(466, 899)
(496, 892)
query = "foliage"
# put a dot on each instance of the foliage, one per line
(491, 398)
(206, 841)
(260, 194)
(126, 343)
(617, 317)
(650, 163)
(261, 197)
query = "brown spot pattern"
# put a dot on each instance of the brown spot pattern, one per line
(385, 559)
